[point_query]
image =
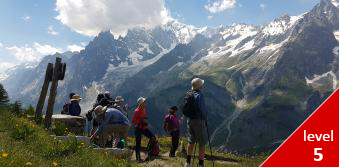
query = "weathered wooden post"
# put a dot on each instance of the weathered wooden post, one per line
(40, 105)
(53, 91)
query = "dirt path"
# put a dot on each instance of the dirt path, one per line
(164, 160)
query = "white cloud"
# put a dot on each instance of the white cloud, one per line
(75, 48)
(1, 45)
(209, 17)
(83, 43)
(5, 66)
(26, 18)
(263, 6)
(89, 17)
(220, 5)
(51, 31)
(32, 54)
(46, 49)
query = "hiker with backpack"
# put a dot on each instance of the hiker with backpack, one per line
(111, 122)
(107, 100)
(65, 108)
(74, 107)
(92, 123)
(196, 113)
(140, 123)
(172, 126)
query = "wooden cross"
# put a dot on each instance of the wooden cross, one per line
(53, 74)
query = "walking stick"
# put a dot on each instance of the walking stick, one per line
(195, 146)
(209, 143)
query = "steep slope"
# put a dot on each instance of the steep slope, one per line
(278, 86)
(261, 82)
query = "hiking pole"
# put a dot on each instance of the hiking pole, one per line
(195, 146)
(209, 143)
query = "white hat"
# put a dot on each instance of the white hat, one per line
(99, 110)
(76, 97)
(197, 83)
(141, 100)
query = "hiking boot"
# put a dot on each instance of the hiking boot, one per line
(188, 165)
(137, 157)
(171, 155)
(149, 158)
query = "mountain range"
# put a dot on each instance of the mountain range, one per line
(261, 82)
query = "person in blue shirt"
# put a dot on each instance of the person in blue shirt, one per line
(74, 106)
(111, 122)
(197, 131)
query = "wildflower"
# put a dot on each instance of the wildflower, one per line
(29, 163)
(82, 143)
(55, 163)
(5, 155)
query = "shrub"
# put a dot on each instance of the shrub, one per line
(62, 148)
(22, 130)
(60, 129)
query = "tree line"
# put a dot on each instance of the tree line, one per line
(15, 107)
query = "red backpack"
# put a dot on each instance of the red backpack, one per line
(153, 147)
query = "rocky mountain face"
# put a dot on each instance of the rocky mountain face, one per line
(262, 82)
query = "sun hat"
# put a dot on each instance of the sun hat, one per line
(76, 98)
(197, 83)
(99, 110)
(119, 99)
(141, 100)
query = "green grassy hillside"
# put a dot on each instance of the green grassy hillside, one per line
(23, 143)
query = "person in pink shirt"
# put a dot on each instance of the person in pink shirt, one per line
(172, 126)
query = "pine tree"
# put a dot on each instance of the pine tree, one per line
(17, 107)
(3, 97)
(30, 110)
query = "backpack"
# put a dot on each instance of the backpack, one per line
(89, 115)
(189, 109)
(65, 108)
(153, 147)
(121, 144)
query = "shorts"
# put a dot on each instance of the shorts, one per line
(197, 132)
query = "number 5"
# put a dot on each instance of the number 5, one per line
(319, 154)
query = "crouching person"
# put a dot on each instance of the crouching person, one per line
(111, 122)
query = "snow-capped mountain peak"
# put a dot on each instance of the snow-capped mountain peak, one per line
(335, 3)
(280, 25)
(184, 33)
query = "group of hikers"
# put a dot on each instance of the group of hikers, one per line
(109, 118)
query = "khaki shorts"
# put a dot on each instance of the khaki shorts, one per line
(197, 132)
(114, 130)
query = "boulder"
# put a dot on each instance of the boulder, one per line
(116, 151)
(75, 124)
(83, 139)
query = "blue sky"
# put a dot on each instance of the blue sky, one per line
(30, 28)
